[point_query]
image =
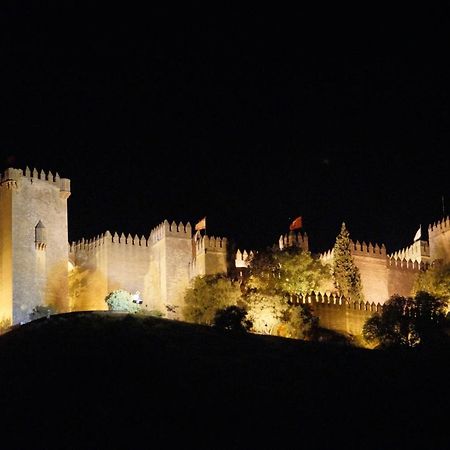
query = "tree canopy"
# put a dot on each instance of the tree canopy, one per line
(435, 280)
(277, 277)
(206, 295)
(408, 322)
(290, 271)
(346, 275)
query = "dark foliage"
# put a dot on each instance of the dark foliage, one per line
(232, 318)
(409, 322)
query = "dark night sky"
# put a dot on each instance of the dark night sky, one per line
(248, 117)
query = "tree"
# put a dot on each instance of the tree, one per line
(121, 300)
(302, 323)
(267, 311)
(429, 317)
(435, 280)
(299, 272)
(408, 322)
(232, 318)
(276, 277)
(346, 275)
(394, 326)
(206, 295)
(290, 271)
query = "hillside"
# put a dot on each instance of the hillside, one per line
(99, 380)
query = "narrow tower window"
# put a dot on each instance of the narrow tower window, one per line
(40, 236)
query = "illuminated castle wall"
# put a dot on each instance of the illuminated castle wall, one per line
(159, 267)
(37, 264)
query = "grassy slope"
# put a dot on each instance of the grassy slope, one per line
(95, 380)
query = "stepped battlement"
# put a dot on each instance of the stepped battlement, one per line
(11, 177)
(166, 229)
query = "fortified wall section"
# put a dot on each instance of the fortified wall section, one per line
(402, 276)
(109, 262)
(336, 313)
(156, 268)
(371, 262)
(381, 276)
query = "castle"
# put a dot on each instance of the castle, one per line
(38, 265)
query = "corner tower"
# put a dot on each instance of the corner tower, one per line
(439, 237)
(33, 242)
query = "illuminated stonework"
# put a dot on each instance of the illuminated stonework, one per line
(38, 266)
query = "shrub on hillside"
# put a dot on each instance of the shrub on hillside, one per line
(121, 300)
(232, 318)
(42, 311)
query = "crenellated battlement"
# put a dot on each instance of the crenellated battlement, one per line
(242, 259)
(89, 244)
(327, 256)
(294, 240)
(358, 249)
(441, 226)
(419, 251)
(363, 249)
(439, 239)
(107, 237)
(407, 264)
(333, 298)
(166, 229)
(216, 244)
(10, 177)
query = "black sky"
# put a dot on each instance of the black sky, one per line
(248, 117)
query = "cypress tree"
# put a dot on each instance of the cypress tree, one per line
(346, 275)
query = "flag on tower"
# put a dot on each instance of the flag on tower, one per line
(418, 234)
(296, 223)
(201, 225)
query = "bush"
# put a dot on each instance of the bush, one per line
(5, 324)
(42, 311)
(232, 318)
(121, 300)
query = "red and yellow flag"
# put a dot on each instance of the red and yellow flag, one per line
(201, 225)
(296, 223)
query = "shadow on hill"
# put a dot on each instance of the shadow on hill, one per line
(102, 380)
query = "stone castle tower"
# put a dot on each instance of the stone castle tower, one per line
(33, 242)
